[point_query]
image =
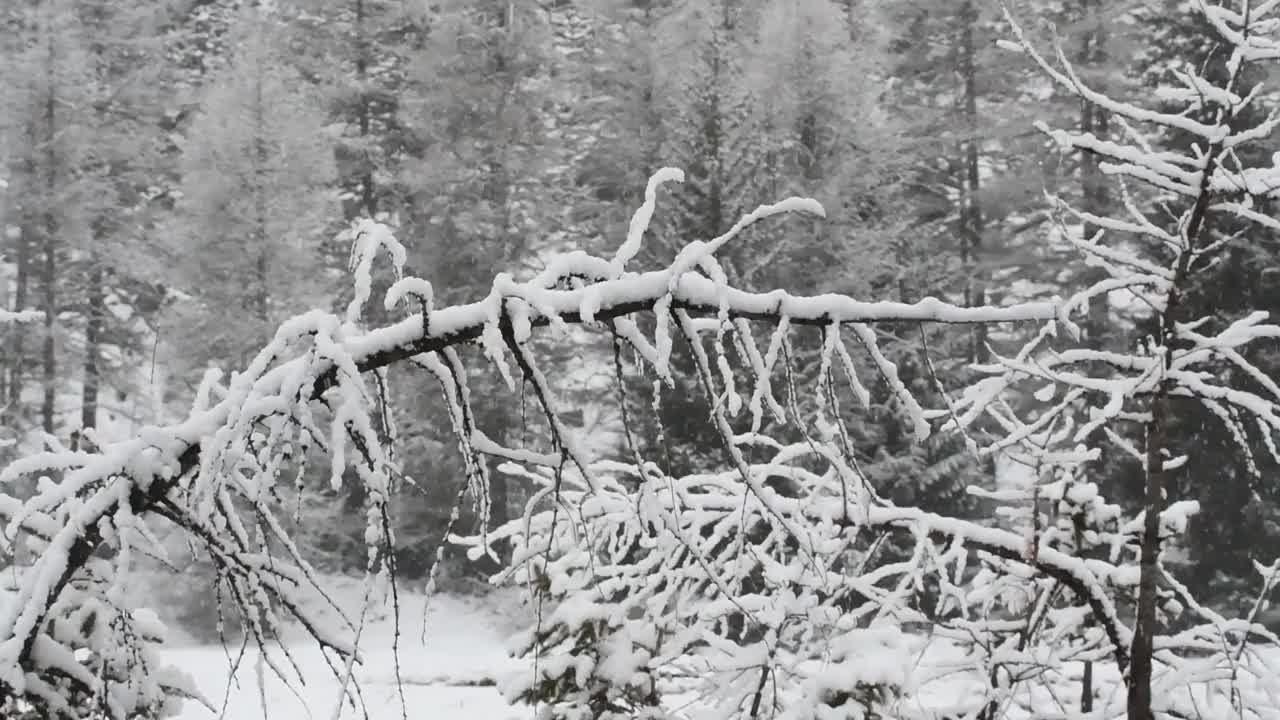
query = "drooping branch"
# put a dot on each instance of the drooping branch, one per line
(702, 510)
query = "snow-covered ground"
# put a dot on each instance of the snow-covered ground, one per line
(447, 672)
(451, 655)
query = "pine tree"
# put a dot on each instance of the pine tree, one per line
(89, 76)
(255, 201)
(360, 56)
(120, 172)
(488, 84)
(50, 54)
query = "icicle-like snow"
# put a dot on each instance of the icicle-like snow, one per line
(367, 238)
(641, 219)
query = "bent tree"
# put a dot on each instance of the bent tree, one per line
(781, 585)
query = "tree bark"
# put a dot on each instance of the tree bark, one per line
(49, 276)
(1139, 698)
(971, 219)
(262, 296)
(1093, 200)
(96, 313)
(1092, 183)
(1086, 688)
(364, 114)
(1139, 679)
(49, 355)
(500, 195)
(17, 349)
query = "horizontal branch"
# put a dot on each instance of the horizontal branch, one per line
(694, 294)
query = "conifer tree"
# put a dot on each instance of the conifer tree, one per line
(255, 203)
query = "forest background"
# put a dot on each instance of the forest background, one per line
(178, 176)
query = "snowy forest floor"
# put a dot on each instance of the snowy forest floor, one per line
(448, 671)
(452, 655)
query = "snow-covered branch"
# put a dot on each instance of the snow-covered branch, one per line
(214, 474)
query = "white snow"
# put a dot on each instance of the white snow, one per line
(448, 666)
(447, 672)
(643, 215)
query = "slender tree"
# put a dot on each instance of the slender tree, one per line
(255, 203)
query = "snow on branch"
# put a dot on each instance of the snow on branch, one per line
(710, 562)
(1185, 359)
(215, 474)
(1127, 398)
(782, 581)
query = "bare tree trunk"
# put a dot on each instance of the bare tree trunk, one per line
(92, 341)
(1093, 200)
(971, 219)
(1139, 697)
(1086, 688)
(714, 136)
(367, 110)
(1092, 184)
(262, 298)
(17, 349)
(364, 114)
(500, 194)
(49, 356)
(49, 275)
(1153, 504)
